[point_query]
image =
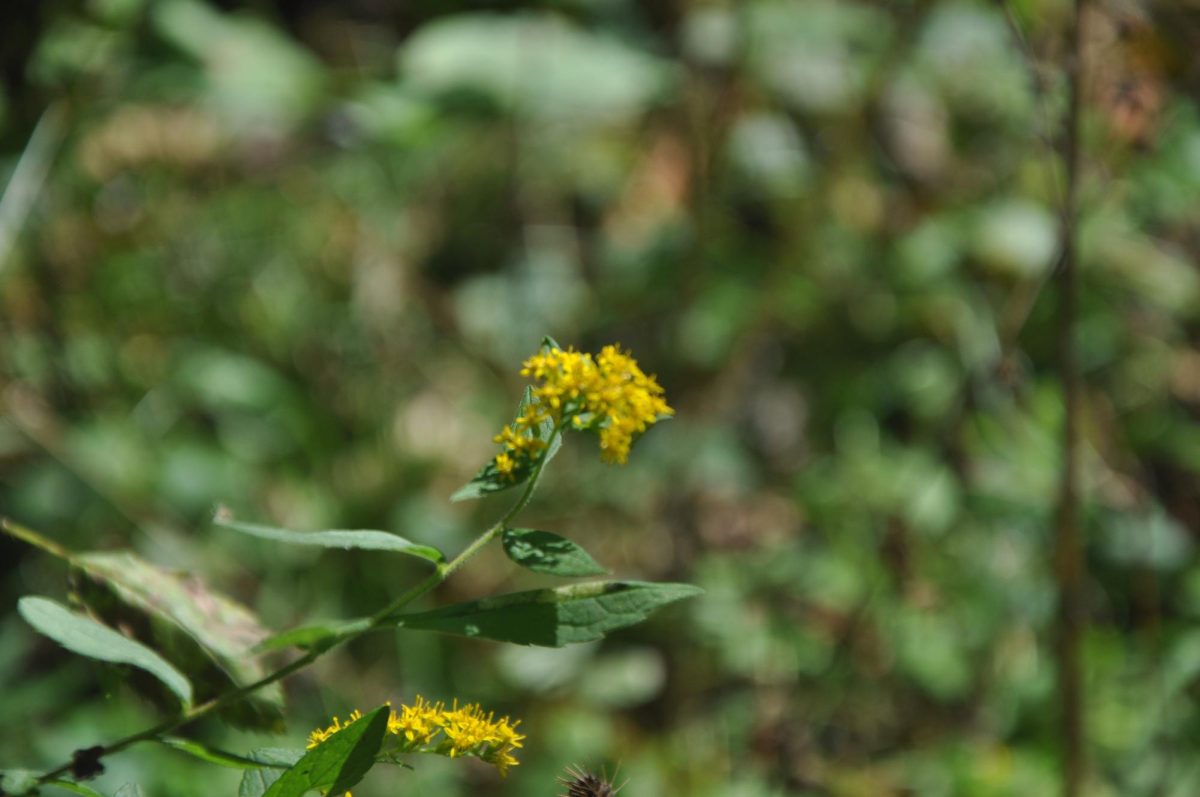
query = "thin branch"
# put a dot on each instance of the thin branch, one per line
(1069, 563)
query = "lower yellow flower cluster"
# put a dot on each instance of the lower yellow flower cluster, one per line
(425, 727)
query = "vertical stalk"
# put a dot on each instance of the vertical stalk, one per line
(1069, 563)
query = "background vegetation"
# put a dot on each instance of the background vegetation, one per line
(287, 257)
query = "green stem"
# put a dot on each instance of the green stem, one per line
(385, 616)
(31, 537)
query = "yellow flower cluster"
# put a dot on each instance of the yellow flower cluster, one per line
(321, 734)
(520, 441)
(608, 392)
(426, 727)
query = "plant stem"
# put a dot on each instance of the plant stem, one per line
(384, 617)
(1070, 566)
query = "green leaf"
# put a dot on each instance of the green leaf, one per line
(202, 632)
(75, 788)
(17, 781)
(225, 758)
(346, 539)
(319, 636)
(546, 552)
(489, 480)
(550, 343)
(273, 761)
(337, 763)
(85, 636)
(553, 617)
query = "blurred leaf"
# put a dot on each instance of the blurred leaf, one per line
(337, 763)
(1017, 237)
(17, 781)
(310, 637)
(816, 55)
(624, 679)
(86, 637)
(256, 74)
(212, 755)
(546, 552)
(338, 538)
(255, 782)
(930, 650)
(202, 632)
(534, 64)
(553, 617)
(1148, 539)
(75, 788)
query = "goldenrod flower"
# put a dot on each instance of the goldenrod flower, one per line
(426, 727)
(608, 393)
(418, 723)
(321, 734)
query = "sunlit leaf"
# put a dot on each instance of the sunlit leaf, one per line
(546, 552)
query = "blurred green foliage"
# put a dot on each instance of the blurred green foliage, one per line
(287, 257)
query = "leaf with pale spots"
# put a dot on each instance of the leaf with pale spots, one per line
(546, 552)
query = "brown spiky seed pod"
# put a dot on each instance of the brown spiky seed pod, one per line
(585, 784)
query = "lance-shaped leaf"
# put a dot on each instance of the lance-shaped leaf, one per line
(275, 760)
(85, 636)
(269, 758)
(546, 552)
(553, 617)
(490, 480)
(74, 788)
(337, 763)
(318, 636)
(203, 633)
(366, 539)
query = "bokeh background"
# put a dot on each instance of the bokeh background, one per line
(287, 257)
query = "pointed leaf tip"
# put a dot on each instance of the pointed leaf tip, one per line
(546, 552)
